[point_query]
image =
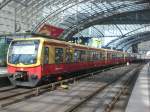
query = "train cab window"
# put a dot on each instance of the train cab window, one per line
(59, 54)
(46, 55)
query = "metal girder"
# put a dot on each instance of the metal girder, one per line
(137, 36)
(23, 4)
(115, 24)
(125, 35)
(98, 31)
(134, 17)
(93, 26)
(45, 19)
(135, 42)
(58, 11)
(27, 10)
(4, 3)
(93, 21)
(33, 11)
(145, 36)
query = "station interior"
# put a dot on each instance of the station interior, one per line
(114, 32)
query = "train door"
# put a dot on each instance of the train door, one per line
(109, 58)
(105, 57)
(46, 55)
(46, 60)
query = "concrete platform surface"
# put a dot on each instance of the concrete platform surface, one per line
(140, 97)
(3, 71)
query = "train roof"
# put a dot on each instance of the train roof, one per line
(60, 42)
(47, 38)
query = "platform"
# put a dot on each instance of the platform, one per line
(3, 71)
(140, 97)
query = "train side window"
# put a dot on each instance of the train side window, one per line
(122, 56)
(108, 55)
(83, 55)
(46, 55)
(91, 55)
(100, 56)
(79, 55)
(68, 55)
(97, 56)
(103, 56)
(76, 56)
(113, 55)
(94, 55)
(88, 55)
(59, 54)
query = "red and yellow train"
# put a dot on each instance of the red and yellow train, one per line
(32, 60)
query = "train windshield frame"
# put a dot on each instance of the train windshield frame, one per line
(23, 52)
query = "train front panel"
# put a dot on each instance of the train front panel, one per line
(24, 62)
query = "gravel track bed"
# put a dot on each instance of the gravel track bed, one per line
(59, 100)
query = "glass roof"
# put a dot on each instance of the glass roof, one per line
(75, 16)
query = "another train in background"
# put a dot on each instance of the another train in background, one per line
(4, 43)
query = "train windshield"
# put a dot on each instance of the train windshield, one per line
(23, 51)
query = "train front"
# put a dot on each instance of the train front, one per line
(23, 60)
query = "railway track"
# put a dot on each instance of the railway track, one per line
(23, 94)
(8, 88)
(122, 81)
(125, 85)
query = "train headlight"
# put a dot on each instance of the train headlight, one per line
(21, 69)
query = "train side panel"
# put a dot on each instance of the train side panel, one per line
(56, 58)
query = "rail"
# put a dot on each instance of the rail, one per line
(39, 90)
(109, 105)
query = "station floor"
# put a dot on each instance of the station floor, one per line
(140, 98)
(3, 71)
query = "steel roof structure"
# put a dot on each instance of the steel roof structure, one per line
(75, 16)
